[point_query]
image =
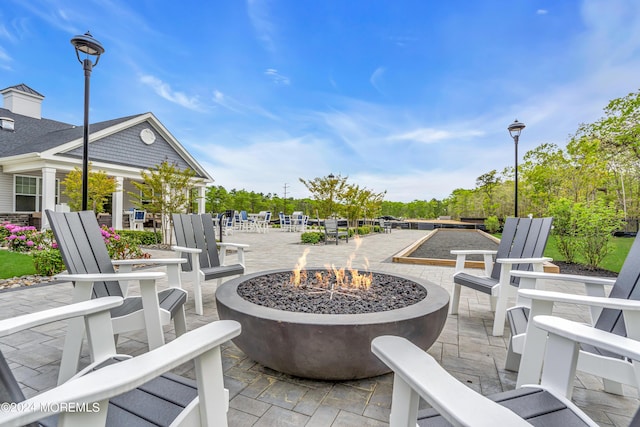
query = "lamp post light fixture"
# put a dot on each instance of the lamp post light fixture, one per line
(91, 47)
(515, 129)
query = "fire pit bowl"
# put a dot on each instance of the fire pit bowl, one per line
(328, 346)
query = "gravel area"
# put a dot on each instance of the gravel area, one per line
(440, 245)
(386, 293)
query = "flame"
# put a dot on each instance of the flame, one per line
(335, 278)
(299, 274)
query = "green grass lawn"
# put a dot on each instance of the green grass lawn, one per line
(612, 262)
(15, 264)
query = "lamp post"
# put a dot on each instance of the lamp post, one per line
(515, 129)
(91, 47)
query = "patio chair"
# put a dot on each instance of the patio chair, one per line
(263, 221)
(619, 314)
(118, 390)
(285, 222)
(196, 242)
(92, 271)
(417, 374)
(332, 231)
(521, 248)
(385, 226)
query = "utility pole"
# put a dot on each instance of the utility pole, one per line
(284, 202)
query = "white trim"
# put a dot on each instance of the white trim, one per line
(39, 192)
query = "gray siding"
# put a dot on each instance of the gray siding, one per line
(6, 195)
(126, 148)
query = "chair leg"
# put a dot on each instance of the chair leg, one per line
(455, 298)
(180, 322)
(513, 359)
(197, 291)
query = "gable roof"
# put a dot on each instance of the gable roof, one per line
(32, 135)
(40, 138)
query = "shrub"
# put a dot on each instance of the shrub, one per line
(143, 237)
(492, 224)
(312, 237)
(48, 262)
(122, 247)
(565, 228)
(21, 238)
(596, 224)
(361, 230)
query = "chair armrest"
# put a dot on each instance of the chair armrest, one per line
(186, 250)
(233, 245)
(85, 308)
(156, 261)
(119, 378)
(581, 333)
(473, 252)
(523, 260)
(100, 277)
(564, 277)
(415, 371)
(561, 297)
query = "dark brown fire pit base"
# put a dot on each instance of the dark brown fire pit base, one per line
(328, 346)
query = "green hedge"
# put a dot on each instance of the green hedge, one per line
(143, 237)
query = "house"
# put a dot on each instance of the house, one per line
(36, 154)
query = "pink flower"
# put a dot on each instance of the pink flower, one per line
(22, 237)
(54, 245)
(12, 237)
(30, 243)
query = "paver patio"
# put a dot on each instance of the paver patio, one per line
(263, 397)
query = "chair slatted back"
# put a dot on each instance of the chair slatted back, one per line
(197, 231)
(331, 225)
(83, 249)
(522, 238)
(627, 286)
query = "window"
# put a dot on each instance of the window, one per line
(28, 191)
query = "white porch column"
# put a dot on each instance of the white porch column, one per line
(48, 193)
(117, 206)
(201, 201)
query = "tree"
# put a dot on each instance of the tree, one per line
(164, 190)
(100, 188)
(327, 191)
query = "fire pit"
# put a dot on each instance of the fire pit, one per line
(300, 339)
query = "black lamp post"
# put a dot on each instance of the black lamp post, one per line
(515, 129)
(91, 47)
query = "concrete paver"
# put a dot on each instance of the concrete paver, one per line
(263, 397)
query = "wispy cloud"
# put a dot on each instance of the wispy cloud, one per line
(376, 77)
(276, 77)
(542, 12)
(164, 90)
(431, 136)
(262, 24)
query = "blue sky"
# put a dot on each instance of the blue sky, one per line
(408, 96)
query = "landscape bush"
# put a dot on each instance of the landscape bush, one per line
(48, 262)
(312, 237)
(145, 238)
(122, 246)
(21, 238)
(492, 224)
